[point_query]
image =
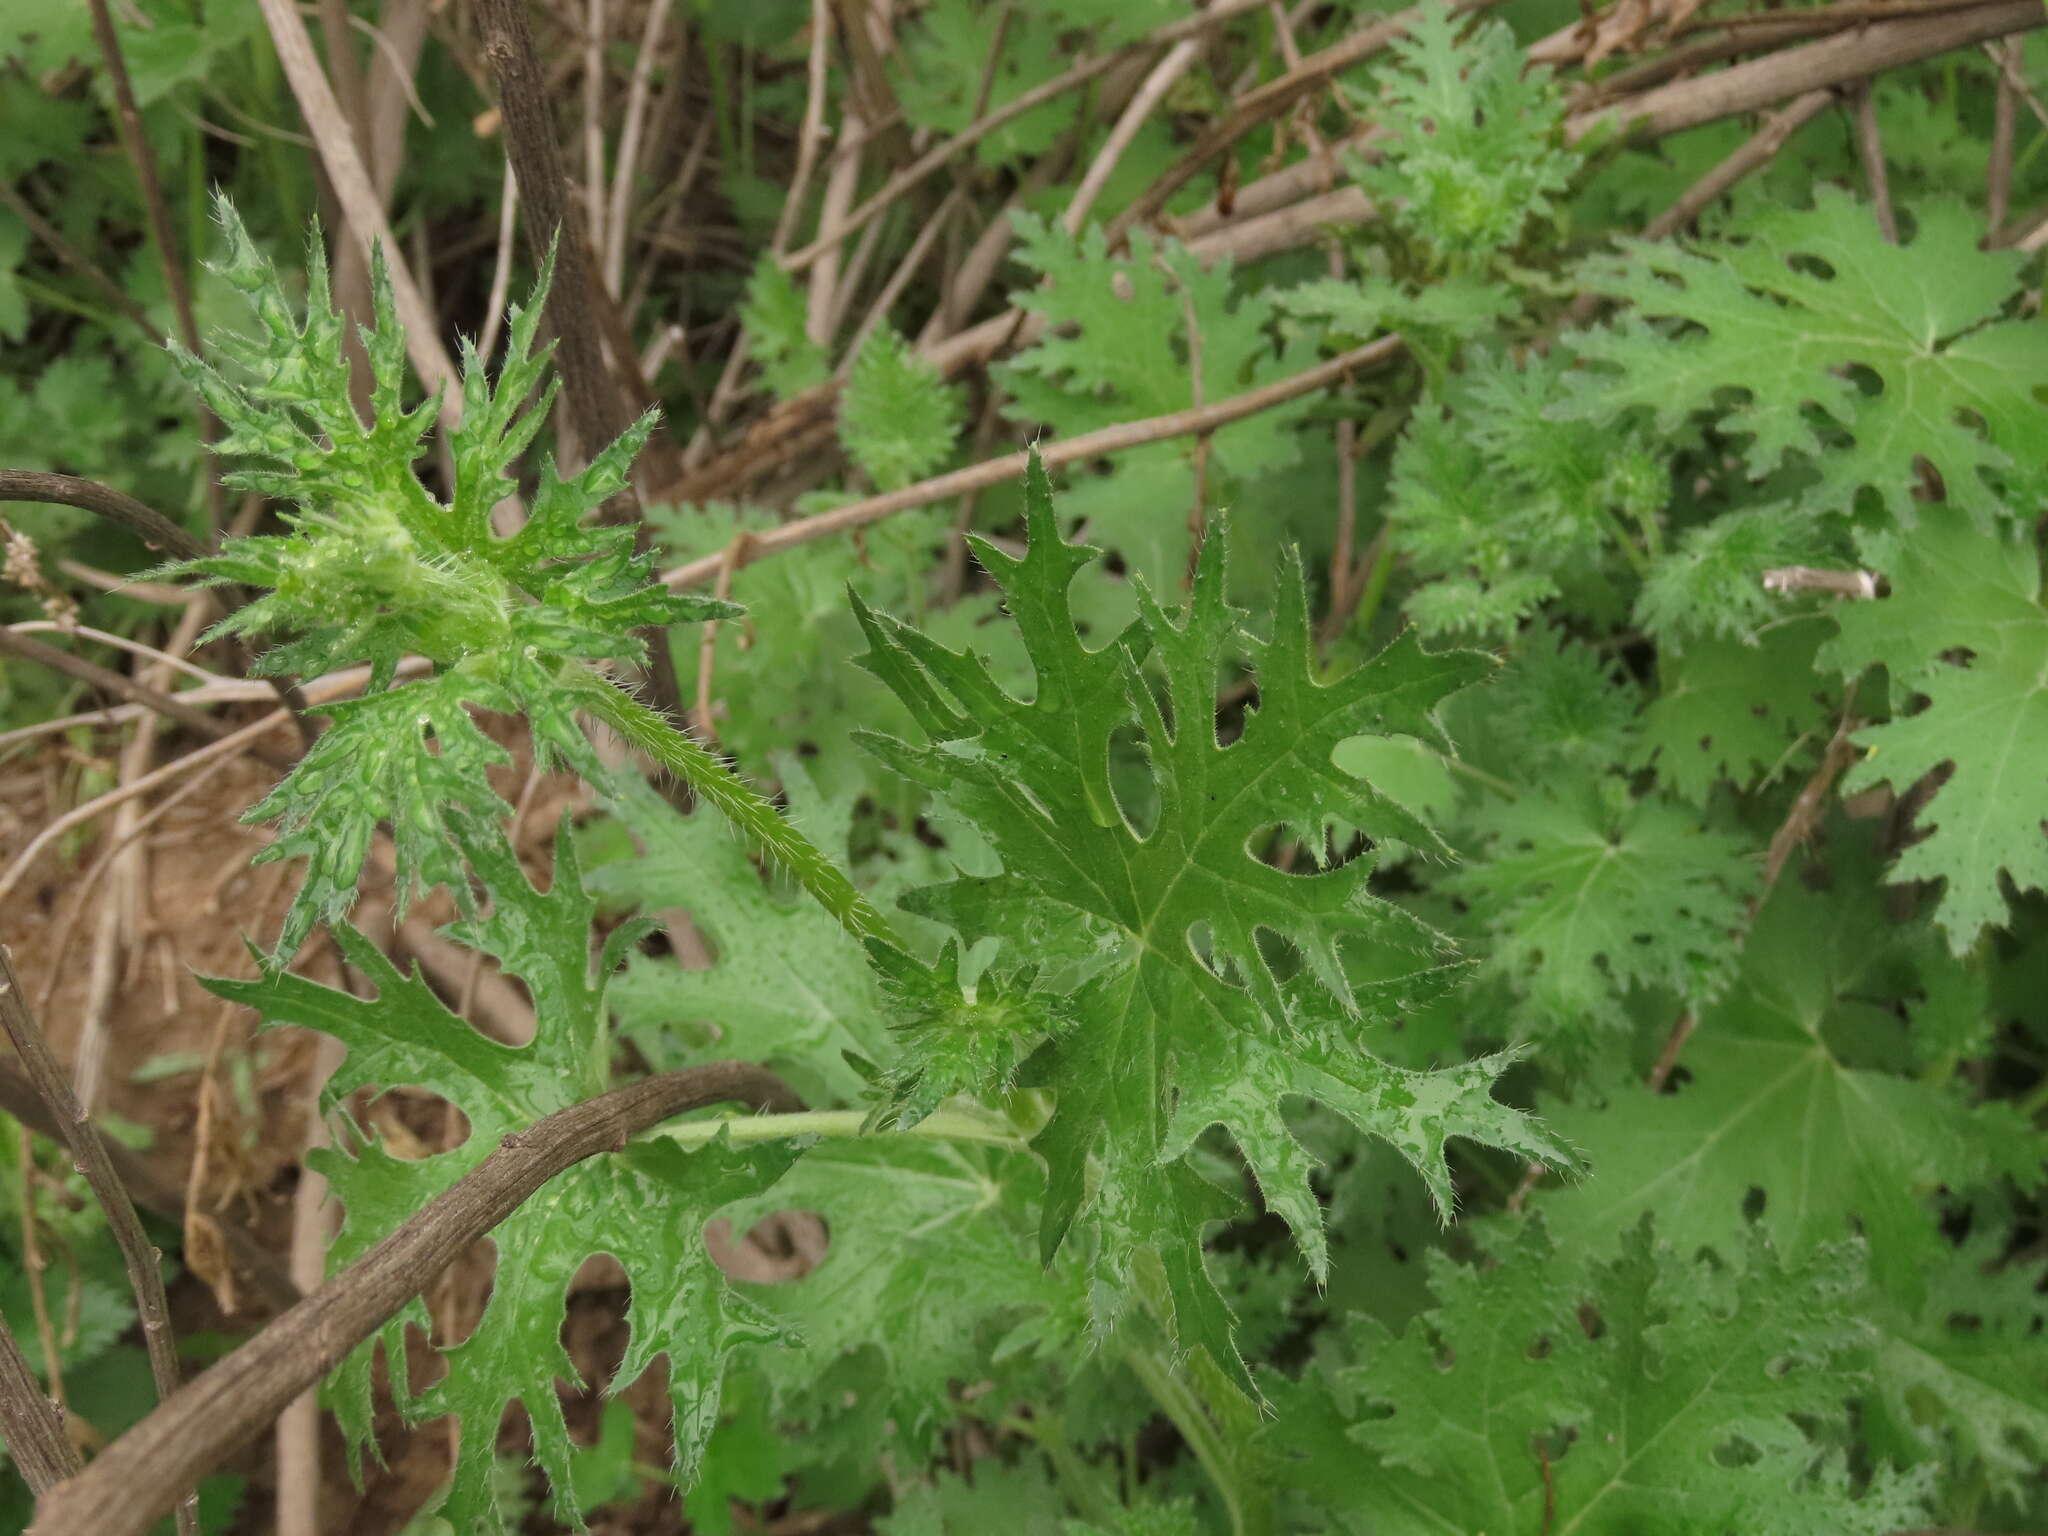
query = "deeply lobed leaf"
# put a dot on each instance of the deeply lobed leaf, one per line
(1164, 939)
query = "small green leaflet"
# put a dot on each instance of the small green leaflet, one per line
(1965, 626)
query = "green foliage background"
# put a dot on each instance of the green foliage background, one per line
(1487, 1054)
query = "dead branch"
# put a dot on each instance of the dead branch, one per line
(146, 1470)
(1189, 423)
(107, 680)
(89, 1157)
(1848, 55)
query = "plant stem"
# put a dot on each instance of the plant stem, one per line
(842, 1124)
(1180, 1403)
(739, 802)
(1083, 1491)
(1480, 776)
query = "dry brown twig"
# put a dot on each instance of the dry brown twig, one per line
(1108, 440)
(361, 205)
(89, 1156)
(943, 153)
(30, 1423)
(153, 1464)
(93, 675)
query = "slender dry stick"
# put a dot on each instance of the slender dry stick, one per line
(391, 90)
(976, 477)
(1685, 63)
(136, 1478)
(943, 153)
(117, 916)
(119, 683)
(851, 279)
(110, 292)
(298, 1423)
(802, 424)
(149, 1189)
(30, 1424)
(32, 1265)
(344, 68)
(906, 269)
(589, 389)
(501, 267)
(1870, 149)
(2008, 62)
(594, 28)
(734, 557)
(1268, 101)
(812, 131)
(1796, 828)
(1852, 54)
(840, 185)
(89, 1156)
(637, 94)
(176, 278)
(154, 529)
(2004, 130)
(152, 653)
(361, 206)
(1807, 578)
(985, 257)
(1137, 112)
(1757, 151)
(228, 746)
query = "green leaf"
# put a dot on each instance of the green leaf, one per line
(1497, 506)
(897, 417)
(1476, 146)
(937, 1235)
(1964, 626)
(1148, 334)
(776, 335)
(788, 986)
(1790, 311)
(1180, 1019)
(645, 1205)
(1651, 1393)
(375, 568)
(1585, 899)
(1728, 711)
(1784, 1100)
(1963, 1377)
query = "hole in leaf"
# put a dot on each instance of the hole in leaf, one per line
(779, 1248)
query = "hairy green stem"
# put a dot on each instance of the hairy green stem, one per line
(1479, 776)
(1074, 1476)
(1183, 1405)
(740, 803)
(841, 1124)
